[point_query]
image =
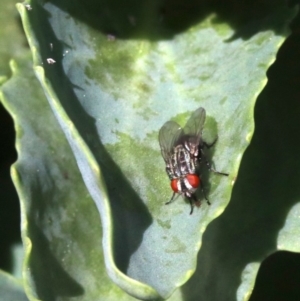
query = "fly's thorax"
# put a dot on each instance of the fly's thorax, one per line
(191, 144)
(172, 170)
(185, 162)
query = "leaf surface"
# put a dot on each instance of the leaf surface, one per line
(116, 78)
(11, 289)
(63, 254)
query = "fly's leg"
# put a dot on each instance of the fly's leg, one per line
(193, 200)
(209, 145)
(172, 199)
(192, 206)
(204, 194)
(210, 168)
(201, 153)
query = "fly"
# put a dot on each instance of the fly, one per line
(183, 151)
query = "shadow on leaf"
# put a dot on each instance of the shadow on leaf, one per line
(130, 216)
(50, 278)
(266, 188)
(160, 20)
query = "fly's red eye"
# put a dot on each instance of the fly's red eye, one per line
(174, 185)
(194, 180)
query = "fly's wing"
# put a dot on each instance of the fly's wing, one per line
(169, 134)
(194, 125)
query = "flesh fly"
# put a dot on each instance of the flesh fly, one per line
(183, 152)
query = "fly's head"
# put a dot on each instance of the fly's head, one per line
(186, 185)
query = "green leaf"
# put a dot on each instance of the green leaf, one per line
(11, 289)
(263, 215)
(63, 255)
(17, 251)
(12, 39)
(114, 82)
